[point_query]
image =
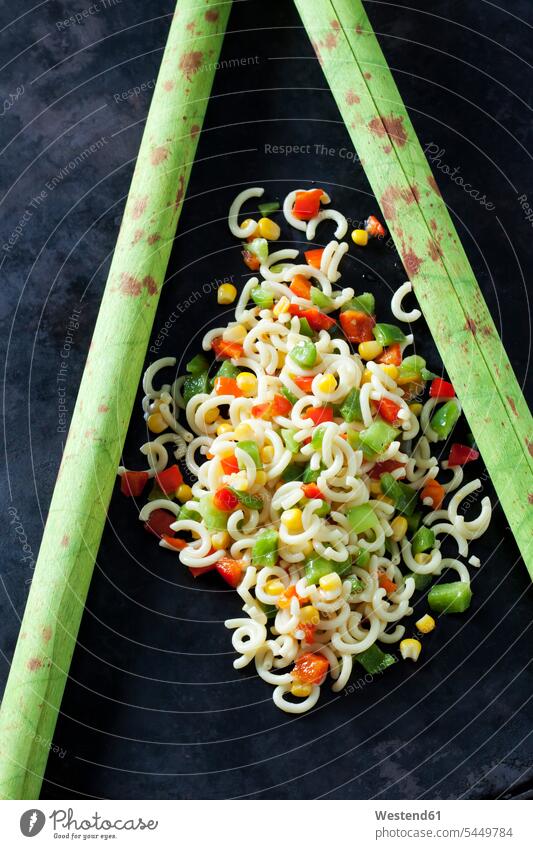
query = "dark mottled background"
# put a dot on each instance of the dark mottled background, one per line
(153, 707)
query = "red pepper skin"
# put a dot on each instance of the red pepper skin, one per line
(320, 414)
(175, 542)
(169, 479)
(281, 406)
(230, 465)
(314, 257)
(159, 523)
(317, 320)
(300, 286)
(304, 383)
(196, 571)
(251, 260)
(227, 386)
(307, 204)
(357, 326)
(310, 668)
(381, 468)
(225, 499)
(388, 410)
(226, 350)
(441, 389)
(461, 454)
(311, 490)
(374, 227)
(133, 483)
(391, 355)
(230, 570)
(309, 632)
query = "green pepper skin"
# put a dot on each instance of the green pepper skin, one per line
(214, 519)
(319, 299)
(292, 472)
(373, 660)
(445, 418)
(361, 303)
(362, 518)
(265, 549)
(304, 354)
(404, 497)
(423, 540)
(251, 448)
(290, 396)
(227, 369)
(377, 438)
(450, 598)
(196, 384)
(388, 334)
(268, 208)
(262, 298)
(351, 408)
(197, 365)
(305, 328)
(289, 440)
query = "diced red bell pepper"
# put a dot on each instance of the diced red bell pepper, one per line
(357, 326)
(231, 570)
(386, 584)
(159, 523)
(175, 542)
(281, 406)
(309, 632)
(169, 479)
(391, 355)
(381, 468)
(317, 320)
(388, 410)
(225, 499)
(300, 286)
(435, 491)
(374, 227)
(441, 389)
(307, 204)
(230, 465)
(196, 571)
(314, 257)
(320, 414)
(461, 454)
(304, 382)
(311, 490)
(310, 668)
(226, 350)
(133, 483)
(261, 411)
(227, 386)
(251, 260)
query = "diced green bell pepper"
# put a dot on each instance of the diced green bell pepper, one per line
(388, 334)
(403, 496)
(450, 598)
(290, 396)
(268, 208)
(317, 438)
(445, 418)
(373, 660)
(186, 513)
(305, 328)
(422, 582)
(214, 519)
(317, 567)
(357, 584)
(413, 521)
(270, 610)
(412, 366)
(288, 434)
(362, 558)
(354, 439)
(227, 369)
(265, 549)
(263, 298)
(311, 475)
(319, 299)
(361, 303)
(362, 518)
(423, 540)
(252, 502)
(377, 438)
(251, 449)
(156, 492)
(351, 408)
(323, 511)
(258, 247)
(196, 384)
(197, 365)
(292, 472)
(425, 374)
(304, 354)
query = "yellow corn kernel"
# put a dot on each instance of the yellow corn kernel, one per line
(367, 376)
(360, 237)
(330, 582)
(410, 649)
(301, 690)
(212, 415)
(282, 306)
(260, 478)
(281, 358)
(235, 333)
(240, 481)
(248, 221)
(384, 498)
(370, 350)
(184, 493)
(375, 487)
(425, 624)
(309, 615)
(399, 528)
(268, 229)
(156, 423)
(247, 382)
(274, 587)
(243, 431)
(327, 383)
(307, 548)
(422, 558)
(292, 519)
(267, 454)
(390, 370)
(220, 540)
(226, 293)
(416, 409)
(224, 427)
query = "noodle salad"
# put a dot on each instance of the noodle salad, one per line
(308, 445)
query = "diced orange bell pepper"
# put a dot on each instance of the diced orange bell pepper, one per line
(357, 326)
(434, 490)
(227, 386)
(304, 382)
(300, 286)
(262, 411)
(226, 350)
(311, 490)
(392, 355)
(310, 668)
(386, 584)
(307, 204)
(231, 570)
(314, 257)
(230, 465)
(281, 406)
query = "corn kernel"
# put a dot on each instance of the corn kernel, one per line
(226, 293)
(274, 587)
(240, 481)
(384, 498)
(370, 350)
(212, 415)
(292, 519)
(260, 478)
(184, 493)
(327, 383)
(248, 221)
(399, 528)
(224, 427)
(307, 548)
(243, 431)
(301, 690)
(422, 558)
(247, 382)
(416, 409)
(375, 487)
(268, 229)
(156, 423)
(425, 624)
(282, 306)
(220, 540)
(367, 376)
(235, 333)
(309, 615)
(267, 454)
(410, 649)
(360, 237)
(330, 582)
(281, 358)
(390, 370)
